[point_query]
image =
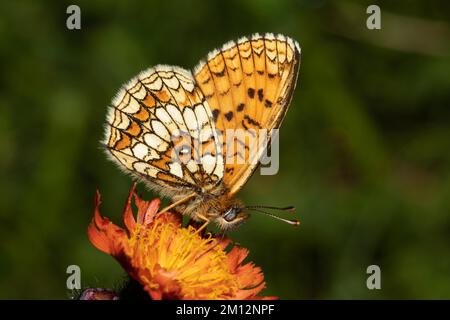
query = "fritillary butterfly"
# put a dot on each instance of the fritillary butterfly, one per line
(167, 125)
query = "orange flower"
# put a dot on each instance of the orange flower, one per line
(171, 261)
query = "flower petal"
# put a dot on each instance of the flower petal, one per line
(146, 210)
(171, 261)
(103, 234)
(128, 218)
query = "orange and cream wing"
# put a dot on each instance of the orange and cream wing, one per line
(160, 129)
(248, 85)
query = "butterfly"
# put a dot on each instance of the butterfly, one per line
(167, 126)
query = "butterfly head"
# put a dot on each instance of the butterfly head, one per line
(232, 217)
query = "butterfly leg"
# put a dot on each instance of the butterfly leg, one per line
(206, 222)
(173, 205)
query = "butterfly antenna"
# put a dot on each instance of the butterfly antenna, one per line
(288, 209)
(291, 222)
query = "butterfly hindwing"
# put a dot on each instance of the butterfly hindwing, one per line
(155, 127)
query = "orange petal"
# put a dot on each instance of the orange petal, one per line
(151, 211)
(249, 293)
(128, 218)
(249, 276)
(103, 234)
(235, 257)
(168, 286)
(98, 238)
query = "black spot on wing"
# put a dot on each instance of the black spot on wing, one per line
(260, 94)
(251, 93)
(229, 115)
(215, 114)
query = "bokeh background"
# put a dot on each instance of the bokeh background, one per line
(365, 146)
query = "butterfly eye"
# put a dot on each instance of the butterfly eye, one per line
(231, 214)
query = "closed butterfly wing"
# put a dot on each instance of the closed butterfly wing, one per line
(248, 85)
(155, 127)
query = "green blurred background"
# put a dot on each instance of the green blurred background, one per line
(365, 146)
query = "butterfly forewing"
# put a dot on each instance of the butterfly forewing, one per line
(248, 85)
